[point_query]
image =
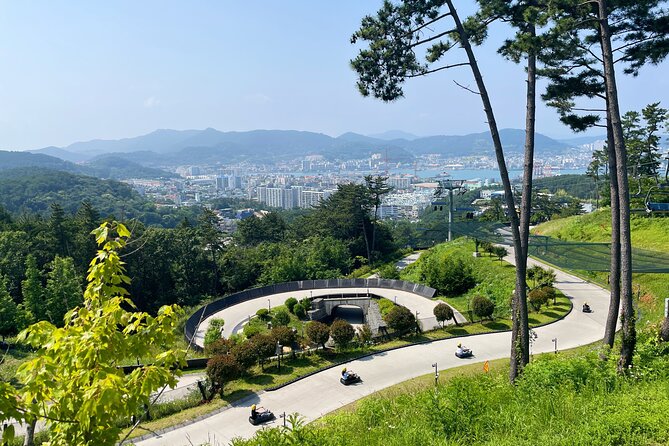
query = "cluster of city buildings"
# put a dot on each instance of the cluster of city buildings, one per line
(304, 183)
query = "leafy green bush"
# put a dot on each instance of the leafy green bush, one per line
(219, 347)
(300, 311)
(283, 335)
(214, 331)
(263, 314)
(400, 319)
(443, 312)
(364, 335)
(281, 318)
(483, 307)
(449, 274)
(290, 304)
(264, 346)
(537, 298)
(389, 271)
(251, 330)
(222, 369)
(318, 333)
(342, 333)
(244, 354)
(385, 305)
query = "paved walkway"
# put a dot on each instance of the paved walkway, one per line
(321, 393)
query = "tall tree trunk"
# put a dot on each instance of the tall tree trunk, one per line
(520, 312)
(520, 322)
(614, 276)
(29, 439)
(627, 314)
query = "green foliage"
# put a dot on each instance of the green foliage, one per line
(33, 291)
(255, 230)
(500, 252)
(35, 189)
(537, 298)
(400, 319)
(9, 312)
(581, 396)
(263, 345)
(14, 246)
(222, 369)
(389, 271)
(252, 330)
(483, 307)
(342, 333)
(385, 305)
(281, 318)
(540, 276)
(290, 304)
(214, 332)
(245, 354)
(285, 336)
(63, 289)
(493, 279)
(75, 378)
(300, 311)
(364, 335)
(449, 274)
(220, 346)
(443, 313)
(263, 314)
(318, 333)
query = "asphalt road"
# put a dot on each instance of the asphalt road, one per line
(385, 369)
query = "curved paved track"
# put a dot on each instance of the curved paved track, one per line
(237, 315)
(385, 369)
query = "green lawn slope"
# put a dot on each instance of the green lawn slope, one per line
(650, 233)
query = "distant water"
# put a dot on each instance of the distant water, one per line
(471, 174)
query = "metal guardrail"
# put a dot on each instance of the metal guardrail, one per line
(233, 299)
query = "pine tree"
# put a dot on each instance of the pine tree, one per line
(63, 289)
(9, 312)
(32, 291)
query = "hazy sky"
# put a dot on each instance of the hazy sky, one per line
(80, 70)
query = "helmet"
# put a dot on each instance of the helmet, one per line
(253, 407)
(459, 345)
(343, 370)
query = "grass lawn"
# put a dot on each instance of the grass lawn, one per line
(647, 233)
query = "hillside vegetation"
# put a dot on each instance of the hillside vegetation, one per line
(647, 233)
(566, 399)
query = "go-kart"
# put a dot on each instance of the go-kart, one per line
(262, 417)
(587, 309)
(466, 353)
(351, 378)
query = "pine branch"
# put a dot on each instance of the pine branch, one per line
(436, 19)
(445, 67)
(430, 39)
(654, 36)
(467, 88)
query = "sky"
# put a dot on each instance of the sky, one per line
(80, 70)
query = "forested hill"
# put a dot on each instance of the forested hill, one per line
(34, 189)
(579, 186)
(108, 166)
(13, 160)
(118, 168)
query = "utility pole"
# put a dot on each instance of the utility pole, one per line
(450, 186)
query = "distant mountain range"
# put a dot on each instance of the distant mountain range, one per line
(104, 166)
(174, 147)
